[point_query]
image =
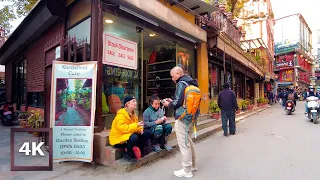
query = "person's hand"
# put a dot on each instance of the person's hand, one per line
(141, 123)
(169, 100)
(165, 118)
(141, 131)
(159, 121)
(165, 103)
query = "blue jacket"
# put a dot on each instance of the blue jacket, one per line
(227, 100)
(178, 98)
(150, 115)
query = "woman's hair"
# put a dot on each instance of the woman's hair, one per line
(153, 98)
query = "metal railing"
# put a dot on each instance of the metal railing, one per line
(220, 21)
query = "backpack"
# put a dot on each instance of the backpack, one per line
(191, 105)
(291, 97)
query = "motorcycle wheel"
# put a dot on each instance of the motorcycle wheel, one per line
(288, 112)
(315, 118)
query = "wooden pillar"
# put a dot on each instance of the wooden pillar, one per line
(232, 75)
(96, 55)
(224, 65)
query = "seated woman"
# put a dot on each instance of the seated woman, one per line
(155, 120)
(127, 132)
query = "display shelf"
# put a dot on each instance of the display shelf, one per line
(162, 62)
(165, 70)
(162, 79)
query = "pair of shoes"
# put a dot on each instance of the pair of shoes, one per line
(226, 135)
(182, 173)
(156, 148)
(136, 152)
(167, 147)
(233, 133)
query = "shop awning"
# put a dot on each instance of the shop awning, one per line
(258, 43)
(196, 7)
(158, 14)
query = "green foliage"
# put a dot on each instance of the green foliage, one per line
(87, 106)
(213, 107)
(13, 9)
(243, 104)
(262, 100)
(234, 6)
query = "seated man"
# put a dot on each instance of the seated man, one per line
(154, 120)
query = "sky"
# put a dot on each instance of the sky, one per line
(309, 9)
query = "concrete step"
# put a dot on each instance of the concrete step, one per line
(122, 164)
(203, 123)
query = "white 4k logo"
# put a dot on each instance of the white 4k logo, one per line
(25, 148)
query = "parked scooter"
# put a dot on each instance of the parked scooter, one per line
(290, 107)
(313, 109)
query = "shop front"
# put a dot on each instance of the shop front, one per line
(136, 61)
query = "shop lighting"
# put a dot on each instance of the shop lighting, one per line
(185, 37)
(152, 34)
(138, 15)
(109, 21)
(306, 59)
(301, 56)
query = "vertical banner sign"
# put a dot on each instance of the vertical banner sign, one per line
(73, 104)
(119, 52)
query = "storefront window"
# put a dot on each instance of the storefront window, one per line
(81, 31)
(156, 54)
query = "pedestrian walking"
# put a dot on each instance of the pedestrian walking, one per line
(227, 102)
(185, 143)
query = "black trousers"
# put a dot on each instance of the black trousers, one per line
(136, 140)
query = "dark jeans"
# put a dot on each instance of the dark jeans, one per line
(159, 133)
(228, 115)
(136, 140)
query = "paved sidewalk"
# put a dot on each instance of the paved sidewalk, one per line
(64, 169)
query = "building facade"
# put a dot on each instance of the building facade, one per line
(163, 40)
(257, 20)
(228, 62)
(293, 46)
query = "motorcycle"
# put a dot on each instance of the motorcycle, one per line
(313, 109)
(290, 107)
(6, 113)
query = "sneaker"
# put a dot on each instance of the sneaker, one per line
(156, 148)
(182, 173)
(136, 152)
(194, 169)
(167, 147)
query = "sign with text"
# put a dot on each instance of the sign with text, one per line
(73, 103)
(119, 52)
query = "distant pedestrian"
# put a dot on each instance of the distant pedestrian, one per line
(227, 102)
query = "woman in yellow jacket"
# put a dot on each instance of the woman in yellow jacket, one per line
(127, 132)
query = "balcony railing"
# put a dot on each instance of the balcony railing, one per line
(219, 20)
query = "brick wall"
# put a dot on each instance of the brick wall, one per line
(36, 59)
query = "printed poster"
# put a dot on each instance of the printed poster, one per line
(73, 104)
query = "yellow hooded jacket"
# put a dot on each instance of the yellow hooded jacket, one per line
(122, 127)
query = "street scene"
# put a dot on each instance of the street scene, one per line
(160, 89)
(268, 145)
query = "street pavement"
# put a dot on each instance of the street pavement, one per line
(268, 145)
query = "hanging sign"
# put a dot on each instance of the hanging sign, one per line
(72, 110)
(119, 52)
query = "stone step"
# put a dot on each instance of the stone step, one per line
(122, 164)
(200, 125)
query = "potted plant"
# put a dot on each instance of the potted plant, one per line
(35, 120)
(250, 104)
(243, 105)
(23, 119)
(214, 109)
